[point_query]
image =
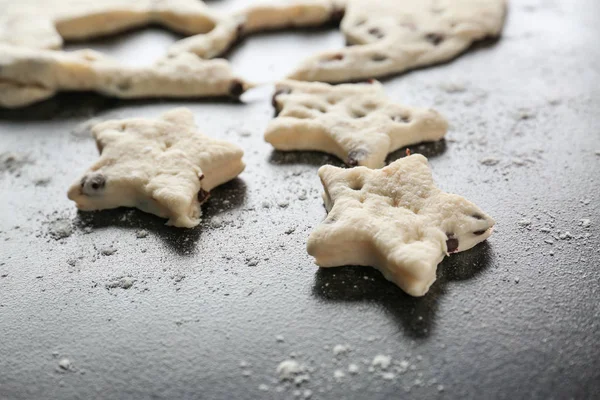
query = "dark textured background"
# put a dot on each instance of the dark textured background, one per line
(516, 317)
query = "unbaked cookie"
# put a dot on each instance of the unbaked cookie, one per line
(44, 24)
(396, 220)
(392, 36)
(162, 166)
(30, 75)
(30, 72)
(356, 122)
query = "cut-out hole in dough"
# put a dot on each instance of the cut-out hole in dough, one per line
(357, 185)
(263, 57)
(401, 118)
(140, 47)
(358, 114)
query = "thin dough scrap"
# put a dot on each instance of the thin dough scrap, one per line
(396, 220)
(37, 74)
(162, 166)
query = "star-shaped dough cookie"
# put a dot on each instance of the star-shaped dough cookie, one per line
(356, 122)
(44, 24)
(32, 69)
(392, 36)
(163, 166)
(30, 75)
(396, 220)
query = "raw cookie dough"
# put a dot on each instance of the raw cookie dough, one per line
(28, 75)
(163, 166)
(273, 15)
(30, 72)
(396, 220)
(43, 24)
(392, 36)
(356, 122)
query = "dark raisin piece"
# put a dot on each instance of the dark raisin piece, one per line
(479, 233)
(376, 32)
(239, 32)
(92, 184)
(203, 195)
(477, 216)
(355, 156)
(285, 90)
(452, 245)
(401, 118)
(334, 57)
(379, 57)
(124, 85)
(201, 176)
(336, 15)
(434, 38)
(236, 89)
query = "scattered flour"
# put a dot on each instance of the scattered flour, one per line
(142, 233)
(123, 283)
(388, 376)
(263, 387)
(353, 369)
(524, 222)
(288, 370)
(453, 87)
(13, 162)
(381, 361)
(108, 251)
(60, 228)
(340, 349)
(489, 161)
(585, 222)
(338, 374)
(64, 364)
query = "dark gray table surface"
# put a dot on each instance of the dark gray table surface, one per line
(515, 317)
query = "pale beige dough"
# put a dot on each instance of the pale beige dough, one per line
(32, 69)
(32, 75)
(392, 36)
(387, 37)
(396, 220)
(162, 166)
(356, 122)
(265, 16)
(43, 24)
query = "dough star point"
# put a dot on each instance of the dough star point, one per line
(396, 220)
(162, 166)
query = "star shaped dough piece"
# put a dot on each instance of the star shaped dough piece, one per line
(162, 166)
(392, 36)
(356, 122)
(396, 220)
(44, 24)
(30, 75)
